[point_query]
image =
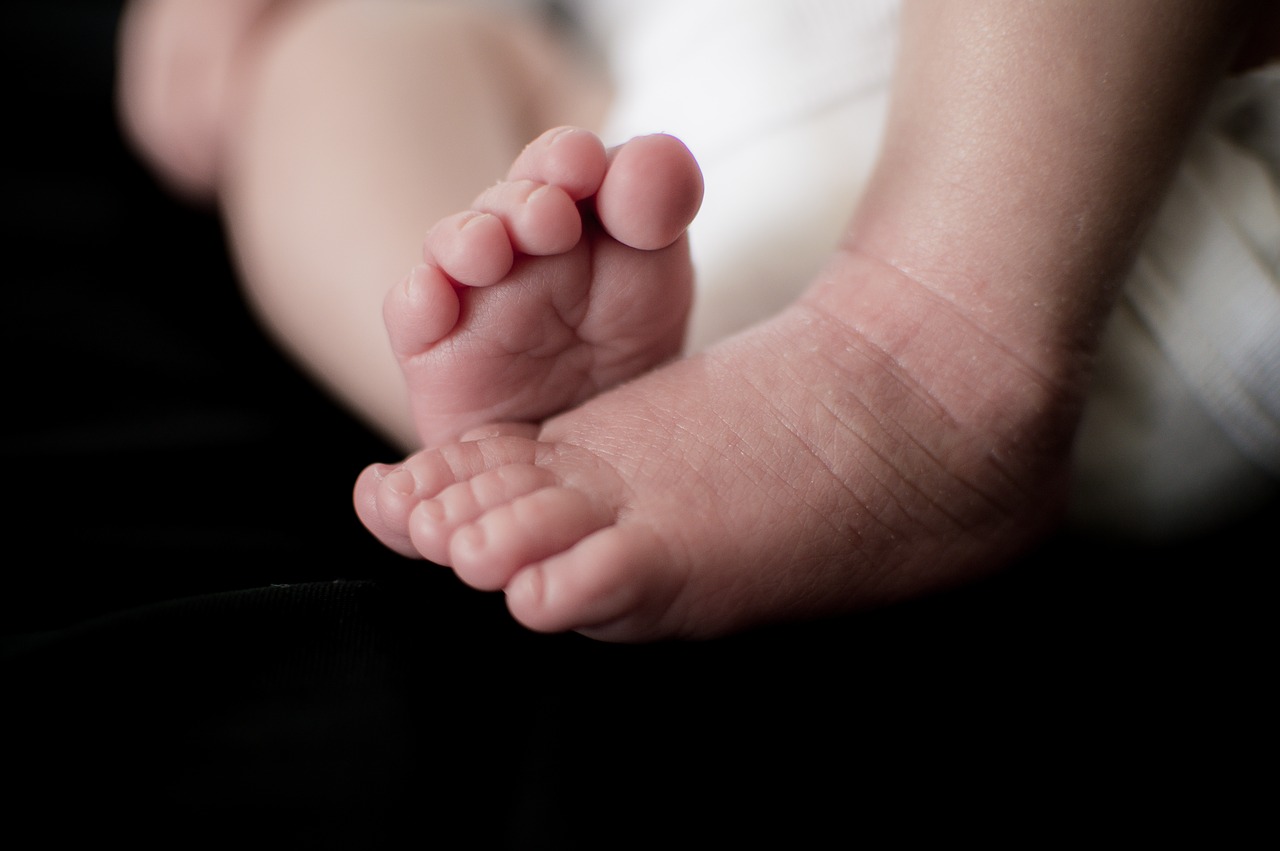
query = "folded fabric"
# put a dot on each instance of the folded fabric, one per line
(1183, 427)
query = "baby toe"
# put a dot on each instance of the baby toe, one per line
(605, 587)
(569, 157)
(651, 193)
(435, 521)
(420, 311)
(540, 219)
(489, 551)
(472, 248)
(382, 511)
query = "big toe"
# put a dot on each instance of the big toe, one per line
(651, 192)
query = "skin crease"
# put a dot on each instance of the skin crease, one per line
(961, 254)
(904, 426)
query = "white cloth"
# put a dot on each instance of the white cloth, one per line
(783, 104)
(1182, 430)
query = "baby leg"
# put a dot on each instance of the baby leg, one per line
(333, 133)
(178, 61)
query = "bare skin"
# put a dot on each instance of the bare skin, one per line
(906, 424)
(645, 515)
(263, 108)
(178, 62)
(525, 307)
(602, 520)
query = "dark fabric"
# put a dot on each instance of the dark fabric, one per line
(201, 646)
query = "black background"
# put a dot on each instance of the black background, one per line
(202, 646)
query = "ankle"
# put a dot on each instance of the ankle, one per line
(1016, 396)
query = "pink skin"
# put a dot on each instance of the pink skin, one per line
(526, 304)
(665, 507)
(178, 60)
(904, 425)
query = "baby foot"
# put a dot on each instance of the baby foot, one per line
(868, 444)
(565, 279)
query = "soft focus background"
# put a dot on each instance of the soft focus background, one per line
(202, 646)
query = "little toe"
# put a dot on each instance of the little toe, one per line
(420, 311)
(472, 248)
(651, 192)
(540, 218)
(569, 157)
(387, 497)
(384, 508)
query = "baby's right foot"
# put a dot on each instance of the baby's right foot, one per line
(569, 277)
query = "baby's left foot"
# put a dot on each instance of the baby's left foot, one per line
(570, 276)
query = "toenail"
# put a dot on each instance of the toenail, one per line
(561, 133)
(526, 586)
(470, 540)
(413, 283)
(401, 482)
(472, 219)
(433, 509)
